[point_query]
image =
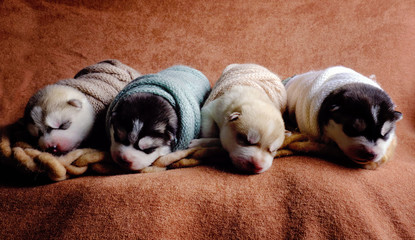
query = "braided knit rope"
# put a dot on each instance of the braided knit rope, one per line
(100, 83)
(17, 153)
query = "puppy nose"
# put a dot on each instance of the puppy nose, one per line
(367, 154)
(254, 166)
(123, 160)
(52, 149)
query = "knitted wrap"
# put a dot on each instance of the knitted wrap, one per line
(183, 87)
(306, 92)
(101, 82)
(254, 76)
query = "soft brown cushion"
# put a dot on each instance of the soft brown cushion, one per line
(299, 197)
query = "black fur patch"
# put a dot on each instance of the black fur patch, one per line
(352, 106)
(150, 111)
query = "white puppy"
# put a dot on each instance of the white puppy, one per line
(71, 112)
(61, 118)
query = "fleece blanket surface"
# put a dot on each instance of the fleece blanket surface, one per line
(185, 88)
(299, 197)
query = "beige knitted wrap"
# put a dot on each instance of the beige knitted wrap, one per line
(101, 82)
(252, 75)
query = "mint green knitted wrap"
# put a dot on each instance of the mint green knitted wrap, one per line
(183, 87)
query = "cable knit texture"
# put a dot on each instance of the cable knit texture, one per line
(183, 87)
(252, 75)
(101, 82)
(306, 92)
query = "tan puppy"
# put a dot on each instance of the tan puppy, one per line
(243, 118)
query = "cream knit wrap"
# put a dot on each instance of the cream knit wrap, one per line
(251, 75)
(101, 82)
(306, 92)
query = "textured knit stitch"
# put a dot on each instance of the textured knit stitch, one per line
(183, 87)
(306, 92)
(251, 75)
(101, 82)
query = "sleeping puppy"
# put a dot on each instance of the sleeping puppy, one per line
(342, 106)
(60, 118)
(243, 114)
(143, 127)
(248, 125)
(155, 115)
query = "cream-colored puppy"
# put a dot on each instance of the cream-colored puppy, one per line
(243, 114)
(248, 125)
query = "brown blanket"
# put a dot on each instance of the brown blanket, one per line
(300, 197)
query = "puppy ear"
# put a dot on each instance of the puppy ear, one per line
(397, 116)
(36, 114)
(121, 133)
(75, 103)
(233, 116)
(171, 133)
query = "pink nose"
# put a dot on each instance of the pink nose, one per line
(254, 166)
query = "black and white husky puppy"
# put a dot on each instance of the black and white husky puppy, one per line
(156, 114)
(342, 106)
(143, 127)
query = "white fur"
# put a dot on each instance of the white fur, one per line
(133, 159)
(334, 131)
(261, 121)
(306, 92)
(375, 112)
(52, 109)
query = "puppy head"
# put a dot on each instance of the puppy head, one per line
(143, 128)
(252, 135)
(361, 120)
(60, 118)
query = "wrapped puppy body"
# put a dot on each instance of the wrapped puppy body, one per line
(342, 106)
(156, 114)
(61, 116)
(244, 112)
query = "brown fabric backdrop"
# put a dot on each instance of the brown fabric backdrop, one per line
(299, 197)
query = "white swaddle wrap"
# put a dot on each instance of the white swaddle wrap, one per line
(306, 92)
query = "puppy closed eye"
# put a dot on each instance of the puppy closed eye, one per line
(146, 150)
(65, 125)
(62, 126)
(149, 150)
